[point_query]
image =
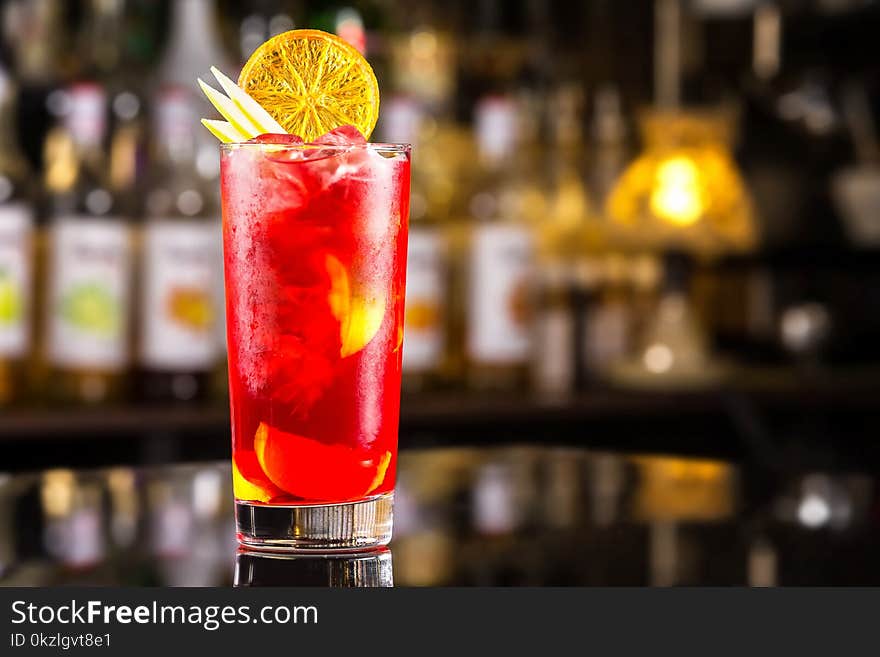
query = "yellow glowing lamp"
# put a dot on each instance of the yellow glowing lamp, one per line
(678, 195)
(684, 191)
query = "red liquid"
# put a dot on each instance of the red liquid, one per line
(315, 256)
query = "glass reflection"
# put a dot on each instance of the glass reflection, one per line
(508, 516)
(344, 570)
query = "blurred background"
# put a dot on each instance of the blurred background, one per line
(643, 300)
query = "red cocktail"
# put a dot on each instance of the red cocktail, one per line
(315, 254)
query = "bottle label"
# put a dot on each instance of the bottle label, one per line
(499, 306)
(90, 287)
(180, 303)
(16, 250)
(424, 335)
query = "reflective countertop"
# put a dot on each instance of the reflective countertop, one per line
(525, 515)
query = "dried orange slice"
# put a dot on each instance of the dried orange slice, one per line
(312, 82)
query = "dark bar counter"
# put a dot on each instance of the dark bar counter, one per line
(522, 514)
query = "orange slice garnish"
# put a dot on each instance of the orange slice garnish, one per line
(312, 82)
(314, 470)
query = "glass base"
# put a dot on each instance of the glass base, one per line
(348, 526)
(371, 568)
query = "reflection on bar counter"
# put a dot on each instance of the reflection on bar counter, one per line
(499, 516)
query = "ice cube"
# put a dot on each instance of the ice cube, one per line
(269, 138)
(342, 136)
(282, 188)
(288, 342)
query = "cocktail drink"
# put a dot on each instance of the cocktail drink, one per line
(314, 236)
(315, 249)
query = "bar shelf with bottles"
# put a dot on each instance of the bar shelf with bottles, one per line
(580, 270)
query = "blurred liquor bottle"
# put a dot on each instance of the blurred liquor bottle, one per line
(425, 330)
(363, 24)
(127, 154)
(423, 63)
(585, 286)
(99, 39)
(553, 362)
(568, 232)
(17, 252)
(562, 504)
(420, 56)
(8, 552)
(75, 530)
(170, 520)
(189, 541)
(263, 20)
(33, 32)
(125, 508)
(571, 227)
(89, 259)
(194, 46)
(500, 256)
(179, 304)
(424, 545)
(495, 519)
(505, 507)
(117, 44)
(608, 329)
(106, 57)
(791, 133)
(126, 526)
(610, 148)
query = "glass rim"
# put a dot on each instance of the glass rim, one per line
(381, 147)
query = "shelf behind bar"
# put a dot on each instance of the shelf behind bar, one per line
(746, 421)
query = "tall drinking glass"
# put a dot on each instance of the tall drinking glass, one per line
(314, 241)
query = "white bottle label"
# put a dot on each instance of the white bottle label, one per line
(16, 250)
(180, 303)
(501, 264)
(90, 288)
(424, 335)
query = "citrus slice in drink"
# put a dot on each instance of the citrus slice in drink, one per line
(248, 481)
(314, 470)
(312, 82)
(360, 312)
